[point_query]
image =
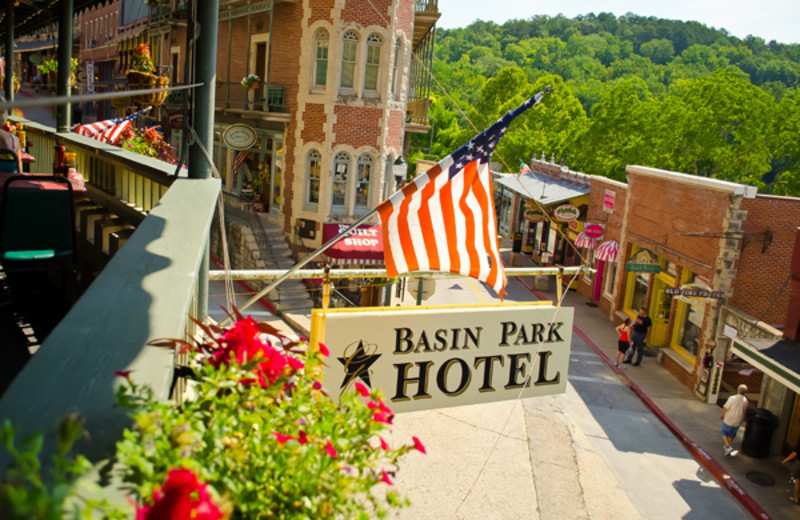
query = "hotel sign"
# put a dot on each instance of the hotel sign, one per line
(442, 356)
(239, 137)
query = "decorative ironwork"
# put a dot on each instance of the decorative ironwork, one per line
(245, 10)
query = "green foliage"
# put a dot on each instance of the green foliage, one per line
(27, 493)
(52, 66)
(628, 90)
(267, 443)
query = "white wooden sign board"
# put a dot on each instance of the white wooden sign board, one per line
(441, 356)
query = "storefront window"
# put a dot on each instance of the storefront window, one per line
(691, 328)
(639, 295)
(608, 279)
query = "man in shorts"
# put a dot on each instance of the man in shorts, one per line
(733, 415)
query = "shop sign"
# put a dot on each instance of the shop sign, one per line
(694, 292)
(576, 225)
(90, 77)
(717, 376)
(609, 201)
(441, 356)
(534, 215)
(239, 137)
(566, 213)
(644, 261)
(593, 230)
(729, 331)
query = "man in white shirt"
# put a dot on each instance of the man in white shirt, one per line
(733, 415)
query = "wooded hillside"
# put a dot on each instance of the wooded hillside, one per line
(629, 90)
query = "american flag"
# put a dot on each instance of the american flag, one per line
(444, 219)
(109, 130)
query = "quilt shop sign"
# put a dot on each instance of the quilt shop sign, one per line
(441, 356)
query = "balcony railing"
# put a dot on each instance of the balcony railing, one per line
(426, 6)
(147, 291)
(232, 95)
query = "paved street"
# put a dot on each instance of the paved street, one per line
(593, 452)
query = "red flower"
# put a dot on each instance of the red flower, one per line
(385, 477)
(302, 438)
(385, 409)
(382, 418)
(242, 343)
(362, 389)
(283, 439)
(182, 497)
(418, 445)
(123, 373)
(317, 385)
(324, 350)
(330, 449)
(384, 446)
(372, 405)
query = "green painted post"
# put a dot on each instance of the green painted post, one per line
(8, 83)
(63, 112)
(205, 70)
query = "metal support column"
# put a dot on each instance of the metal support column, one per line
(205, 67)
(8, 83)
(64, 111)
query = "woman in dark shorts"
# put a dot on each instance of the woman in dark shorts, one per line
(793, 456)
(624, 331)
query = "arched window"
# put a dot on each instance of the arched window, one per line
(363, 177)
(341, 173)
(398, 57)
(349, 52)
(314, 165)
(373, 62)
(320, 59)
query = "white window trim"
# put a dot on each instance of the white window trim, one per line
(363, 209)
(307, 204)
(397, 60)
(318, 89)
(356, 68)
(348, 200)
(367, 45)
(609, 281)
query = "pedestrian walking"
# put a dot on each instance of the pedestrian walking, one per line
(640, 330)
(793, 456)
(733, 415)
(624, 343)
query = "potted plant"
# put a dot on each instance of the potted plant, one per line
(258, 437)
(50, 68)
(142, 76)
(251, 81)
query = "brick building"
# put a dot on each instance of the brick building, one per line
(98, 50)
(340, 84)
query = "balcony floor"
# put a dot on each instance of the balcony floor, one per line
(30, 308)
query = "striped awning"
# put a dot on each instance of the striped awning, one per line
(583, 241)
(607, 251)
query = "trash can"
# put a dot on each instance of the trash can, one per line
(517, 245)
(758, 432)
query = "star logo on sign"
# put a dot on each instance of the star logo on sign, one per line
(357, 363)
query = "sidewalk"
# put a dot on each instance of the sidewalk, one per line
(697, 421)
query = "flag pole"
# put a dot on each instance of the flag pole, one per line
(304, 261)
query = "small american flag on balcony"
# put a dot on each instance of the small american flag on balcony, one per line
(109, 130)
(444, 220)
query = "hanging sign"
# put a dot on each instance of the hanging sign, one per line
(441, 356)
(566, 213)
(534, 215)
(593, 230)
(694, 292)
(239, 137)
(609, 201)
(644, 261)
(90, 77)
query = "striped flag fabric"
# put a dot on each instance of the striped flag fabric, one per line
(444, 220)
(109, 130)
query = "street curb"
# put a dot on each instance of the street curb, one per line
(723, 477)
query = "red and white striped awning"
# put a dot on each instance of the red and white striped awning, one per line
(583, 241)
(607, 251)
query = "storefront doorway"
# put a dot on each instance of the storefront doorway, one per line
(660, 308)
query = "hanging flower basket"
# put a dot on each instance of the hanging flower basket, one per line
(138, 80)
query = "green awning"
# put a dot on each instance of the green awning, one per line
(779, 360)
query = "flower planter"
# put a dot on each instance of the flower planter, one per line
(253, 86)
(144, 80)
(52, 78)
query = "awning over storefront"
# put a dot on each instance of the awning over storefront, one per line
(607, 251)
(38, 45)
(779, 360)
(583, 241)
(541, 188)
(363, 246)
